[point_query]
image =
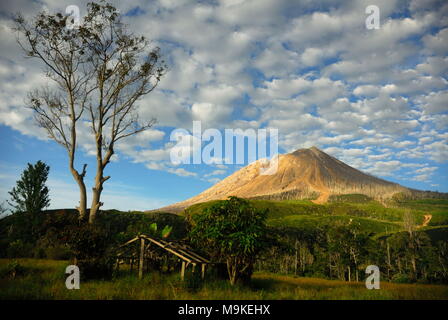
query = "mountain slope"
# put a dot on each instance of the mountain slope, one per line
(304, 173)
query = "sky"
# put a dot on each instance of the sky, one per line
(376, 99)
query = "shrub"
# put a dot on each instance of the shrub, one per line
(4, 244)
(91, 246)
(401, 278)
(19, 249)
(58, 253)
(39, 253)
(12, 270)
(193, 282)
(96, 268)
(232, 231)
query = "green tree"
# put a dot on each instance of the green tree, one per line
(231, 231)
(28, 198)
(30, 194)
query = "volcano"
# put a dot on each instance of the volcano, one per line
(302, 174)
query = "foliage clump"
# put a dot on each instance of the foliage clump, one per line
(231, 231)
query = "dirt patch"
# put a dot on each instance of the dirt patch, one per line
(426, 219)
(323, 197)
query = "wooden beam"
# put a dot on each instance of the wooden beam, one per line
(130, 241)
(190, 254)
(168, 249)
(182, 271)
(203, 271)
(190, 251)
(142, 253)
(181, 251)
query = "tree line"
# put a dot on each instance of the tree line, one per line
(344, 251)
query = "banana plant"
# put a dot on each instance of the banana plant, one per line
(164, 233)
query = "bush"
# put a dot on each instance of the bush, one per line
(401, 278)
(232, 231)
(193, 282)
(19, 249)
(96, 268)
(58, 253)
(4, 244)
(91, 246)
(12, 270)
(39, 253)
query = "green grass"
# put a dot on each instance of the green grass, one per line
(45, 279)
(351, 198)
(437, 233)
(371, 215)
(438, 208)
(309, 222)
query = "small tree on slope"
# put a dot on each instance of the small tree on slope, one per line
(30, 194)
(29, 197)
(232, 231)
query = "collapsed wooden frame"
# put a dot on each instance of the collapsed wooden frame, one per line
(178, 249)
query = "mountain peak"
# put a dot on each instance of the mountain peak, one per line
(316, 150)
(312, 150)
(302, 174)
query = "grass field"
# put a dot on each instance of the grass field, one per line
(45, 279)
(372, 216)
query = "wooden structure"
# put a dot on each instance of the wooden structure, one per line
(149, 251)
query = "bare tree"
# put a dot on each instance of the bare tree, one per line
(99, 70)
(3, 210)
(409, 222)
(409, 226)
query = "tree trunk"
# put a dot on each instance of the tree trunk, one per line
(296, 259)
(99, 178)
(96, 195)
(389, 266)
(82, 209)
(79, 178)
(232, 271)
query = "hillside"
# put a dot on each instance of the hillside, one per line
(302, 174)
(370, 215)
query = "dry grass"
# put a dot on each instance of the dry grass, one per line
(45, 279)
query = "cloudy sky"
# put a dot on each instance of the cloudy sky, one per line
(376, 99)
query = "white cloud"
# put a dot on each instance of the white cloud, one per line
(310, 69)
(437, 43)
(435, 102)
(182, 172)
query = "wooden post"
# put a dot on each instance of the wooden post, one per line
(296, 258)
(202, 271)
(142, 253)
(182, 271)
(194, 266)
